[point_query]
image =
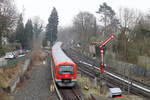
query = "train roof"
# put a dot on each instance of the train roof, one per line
(59, 55)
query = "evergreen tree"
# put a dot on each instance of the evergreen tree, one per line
(51, 29)
(28, 35)
(44, 42)
(37, 29)
(108, 15)
(20, 31)
(8, 18)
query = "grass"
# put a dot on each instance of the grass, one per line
(141, 78)
(83, 81)
(132, 97)
(5, 96)
(8, 74)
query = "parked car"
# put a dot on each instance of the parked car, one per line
(9, 55)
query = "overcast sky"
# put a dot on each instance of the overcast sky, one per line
(67, 9)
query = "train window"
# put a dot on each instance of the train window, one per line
(66, 69)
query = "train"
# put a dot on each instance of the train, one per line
(65, 70)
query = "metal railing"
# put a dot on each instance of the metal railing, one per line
(13, 62)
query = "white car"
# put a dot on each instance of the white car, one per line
(9, 55)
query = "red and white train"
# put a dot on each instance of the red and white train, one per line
(65, 69)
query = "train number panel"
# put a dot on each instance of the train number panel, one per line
(65, 68)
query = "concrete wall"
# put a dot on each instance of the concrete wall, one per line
(3, 62)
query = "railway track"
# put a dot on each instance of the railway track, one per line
(89, 67)
(70, 94)
(89, 61)
(65, 93)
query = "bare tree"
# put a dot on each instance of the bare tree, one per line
(107, 15)
(85, 26)
(66, 34)
(38, 24)
(128, 18)
(8, 18)
(37, 20)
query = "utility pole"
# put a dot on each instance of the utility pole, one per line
(129, 79)
(124, 73)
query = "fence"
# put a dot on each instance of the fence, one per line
(128, 68)
(13, 62)
(142, 60)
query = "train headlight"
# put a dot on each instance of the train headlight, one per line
(66, 75)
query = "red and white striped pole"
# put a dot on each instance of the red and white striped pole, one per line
(102, 51)
(102, 60)
(101, 46)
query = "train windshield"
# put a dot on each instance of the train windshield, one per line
(66, 69)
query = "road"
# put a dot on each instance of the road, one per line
(37, 88)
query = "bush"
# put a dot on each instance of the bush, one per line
(92, 39)
(2, 52)
(44, 42)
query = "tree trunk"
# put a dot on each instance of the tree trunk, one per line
(0, 40)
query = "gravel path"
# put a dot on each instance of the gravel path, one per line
(37, 88)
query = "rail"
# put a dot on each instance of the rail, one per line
(141, 89)
(65, 93)
(57, 91)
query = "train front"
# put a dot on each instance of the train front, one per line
(66, 74)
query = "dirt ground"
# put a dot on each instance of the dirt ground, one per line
(38, 86)
(38, 57)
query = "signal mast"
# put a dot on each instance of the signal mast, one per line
(102, 46)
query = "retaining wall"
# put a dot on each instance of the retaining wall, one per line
(3, 62)
(14, 82)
